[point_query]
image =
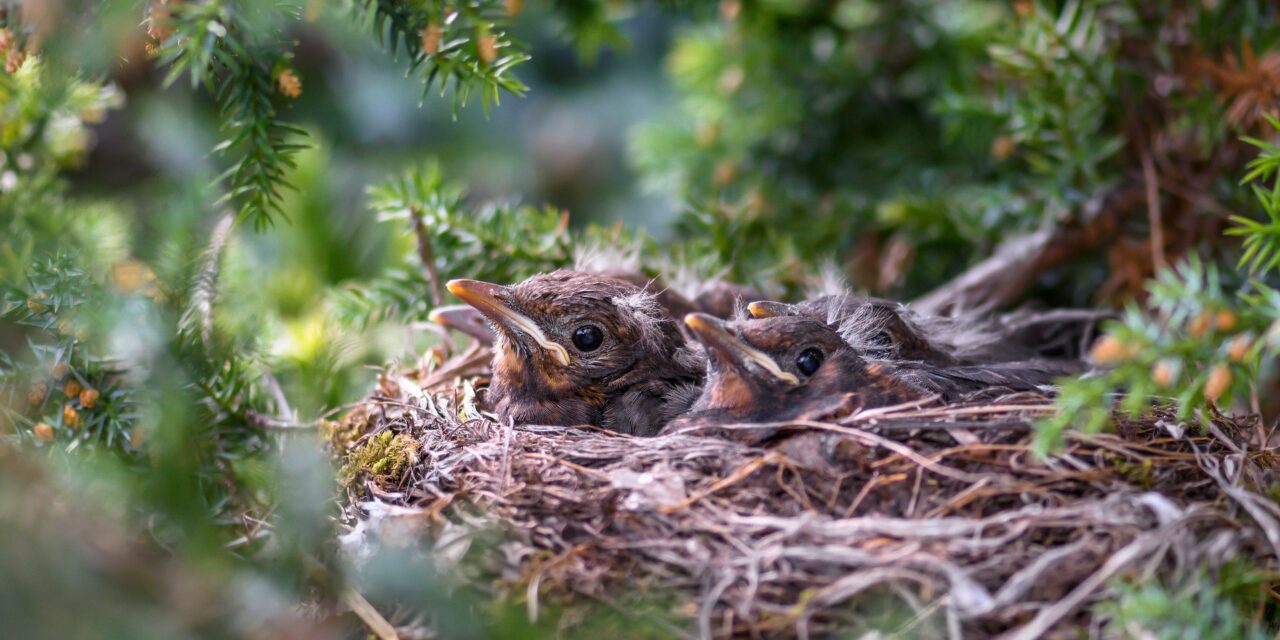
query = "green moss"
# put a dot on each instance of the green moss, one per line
(385, 457)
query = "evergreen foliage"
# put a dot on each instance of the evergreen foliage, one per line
(896, 142)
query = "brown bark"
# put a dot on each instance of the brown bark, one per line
(1001, 279)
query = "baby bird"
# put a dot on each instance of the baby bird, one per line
(890, 330)
(718, 298)
(793, 367)
(575, 348)
(781, 368)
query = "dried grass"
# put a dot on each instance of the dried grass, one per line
(944, 508)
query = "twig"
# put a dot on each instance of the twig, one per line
(1016, 265)
(369, 615)
(1153, 210)
(735, 477)
(896, 447)
(427, 256)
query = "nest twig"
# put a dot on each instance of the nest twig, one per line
(944, 508)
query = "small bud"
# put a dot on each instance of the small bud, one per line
(59, 370)
(72, 389)
(1002, 147)
(34, 304)
(486, 47)
(288, 84)
(70, 417)
(1219, 382)
(89, 398)
(431, 38)
(731, 80)
(725, 172)
(131, 275)
(44, 432)
(135, 437)
(729, 10)
(1240, 347)
(1164, 373)
(159, 27)
(36, 394)
(1199, 325)
(1022, 8)
(514, 7)
(1225, 321)
(1109, 350)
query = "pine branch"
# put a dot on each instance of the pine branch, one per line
(461, 48)
(237, 52)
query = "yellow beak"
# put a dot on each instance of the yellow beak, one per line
(486, 298)
(712, 333)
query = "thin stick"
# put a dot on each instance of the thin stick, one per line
(1153, 210)
(369, 615)
(427, 256)
(733, 478)
(896, 447)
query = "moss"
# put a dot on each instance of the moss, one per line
(384, 457)
(1139, 473)
(344, 434)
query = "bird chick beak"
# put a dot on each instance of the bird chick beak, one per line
(769, 309)
(486, 298)
(711, 332)
(461, 317)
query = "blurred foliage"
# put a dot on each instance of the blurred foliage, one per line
(167, 367)
(879, 133)
(1230, 604)
(494, 242)
(1202, 338)
(241, 52)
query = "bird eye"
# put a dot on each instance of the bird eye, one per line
(880, 345)
(587, 337)
(808, 361)
(880, 340)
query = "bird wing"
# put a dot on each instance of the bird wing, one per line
(953, 382)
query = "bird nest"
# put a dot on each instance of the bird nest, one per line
(943, 514)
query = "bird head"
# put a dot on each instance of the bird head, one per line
(570, 343)
(876, 328)
(782, 367)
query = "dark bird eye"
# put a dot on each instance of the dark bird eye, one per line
(587, 337)
(808, 361)
(880, 340)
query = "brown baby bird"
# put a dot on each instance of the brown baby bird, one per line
(576, 348)
(784, 368)
(792, 367)
(716, 297)
(891, 330)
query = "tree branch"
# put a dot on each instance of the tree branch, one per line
(1001, 279)
(427, 256)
